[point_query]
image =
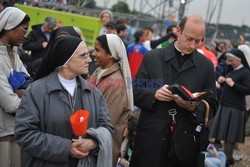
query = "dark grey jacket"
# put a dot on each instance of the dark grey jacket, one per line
(43, 128)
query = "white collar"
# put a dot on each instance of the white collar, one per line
(239, 67)
(178, 49)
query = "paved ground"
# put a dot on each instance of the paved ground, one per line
(245, 149)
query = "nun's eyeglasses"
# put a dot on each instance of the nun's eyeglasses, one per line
(87, 54)
(24, 30)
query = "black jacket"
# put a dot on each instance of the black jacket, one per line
(34, 42)
(153, 138)
(235, 96)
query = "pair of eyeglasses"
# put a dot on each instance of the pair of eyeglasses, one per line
(24, 30)
(87, 54)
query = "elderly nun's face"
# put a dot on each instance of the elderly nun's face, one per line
(233, 61)
(79, 63)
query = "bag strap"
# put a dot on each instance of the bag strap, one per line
(207, 111)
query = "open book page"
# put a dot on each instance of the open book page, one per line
(187, 95)
(197, 94)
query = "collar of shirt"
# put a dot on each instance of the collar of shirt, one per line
(45, 33)
(178, 49)
(239, 67)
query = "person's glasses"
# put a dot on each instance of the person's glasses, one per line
(87, 54)
(24, 30)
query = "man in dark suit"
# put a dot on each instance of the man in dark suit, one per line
(167, 132)
(38, 38)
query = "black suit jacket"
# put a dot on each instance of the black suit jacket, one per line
(34, 42)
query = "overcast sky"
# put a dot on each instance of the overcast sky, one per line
(234, 12)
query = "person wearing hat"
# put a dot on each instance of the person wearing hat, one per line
(37, 40)
(113, 79)
(13, 26)
(105, 17)
(43, 128)
(229, 121)
(246, 50)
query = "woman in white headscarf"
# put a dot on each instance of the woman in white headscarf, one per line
(113, 79)
(13, 26)
(246, 50)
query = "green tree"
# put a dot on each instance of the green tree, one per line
(121, 7)
(91, 4)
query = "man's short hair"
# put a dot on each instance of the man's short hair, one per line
(50, 21)
(170, 29)
(120, 28)
(111, 25)
(148, 29)
(121, 20)
(183, 22)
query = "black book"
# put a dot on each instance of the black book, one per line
(187, 95)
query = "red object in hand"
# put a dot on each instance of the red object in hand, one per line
(188, 92)
(78, 124)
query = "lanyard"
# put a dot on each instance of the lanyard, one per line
(72, 100)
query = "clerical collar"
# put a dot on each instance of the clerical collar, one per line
(178, 49)
(239, 67)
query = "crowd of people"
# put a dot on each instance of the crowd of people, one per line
(124, 82)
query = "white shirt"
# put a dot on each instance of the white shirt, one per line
(239, 67)
(69, 85)
(146, 44)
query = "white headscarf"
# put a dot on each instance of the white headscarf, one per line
(119, 53)
(10, 17)
(246, 50)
